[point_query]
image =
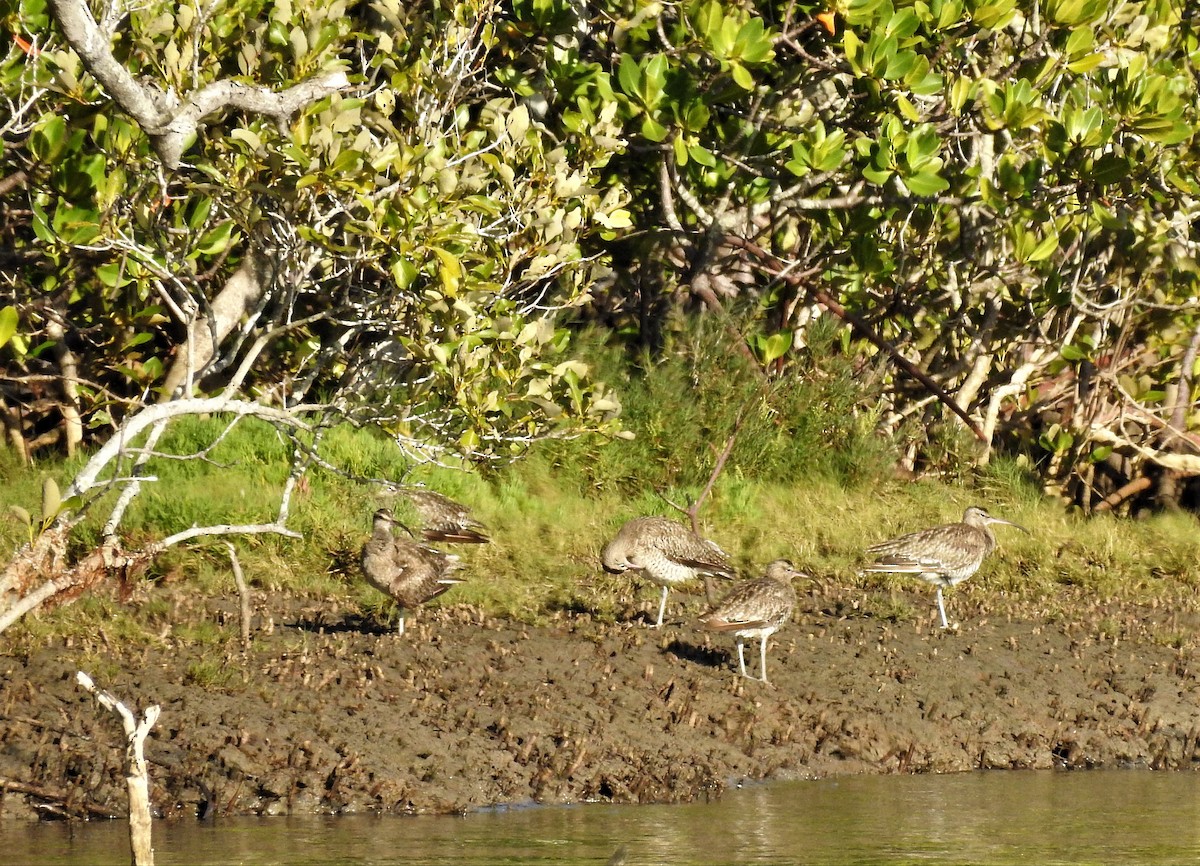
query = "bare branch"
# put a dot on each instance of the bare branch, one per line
(169, 122)
(221, 529)
(151, 415)
(243, 596)
(137, 779)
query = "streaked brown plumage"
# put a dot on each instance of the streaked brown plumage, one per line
(944, 555)
(408, 572)
(665, 552)
(443, 518)
(757, 609)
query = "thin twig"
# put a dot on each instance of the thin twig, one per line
(243, 597)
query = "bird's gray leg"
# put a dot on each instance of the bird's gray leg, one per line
(942, 608)
(400, 623)
(662, 608)
(762, 651)
(741, 655)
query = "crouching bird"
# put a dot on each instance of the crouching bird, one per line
(408, 572)
(665, 553)
(444, 519)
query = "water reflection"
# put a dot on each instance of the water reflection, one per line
(1129, 817)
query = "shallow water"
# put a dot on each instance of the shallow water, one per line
(1131, 817)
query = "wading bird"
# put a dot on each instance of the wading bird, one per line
(757, 609)
(408, 572)
(444, 519)
(944, 555)
(665, 552)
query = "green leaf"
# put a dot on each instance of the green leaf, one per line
(216, 240)
(752, 44)
(653, 130)
(22, 515)
(404, 272)
(702, 156)
(137, 340)
(1045, 249)
(9, 319)
(49, 138)
(1110, 169)
(926, 183)
(877, 176)
(742, 76)
(51, 499)
(654, 80)
(681, 150)
(775, 346)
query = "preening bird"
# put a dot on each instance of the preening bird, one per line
(757, 609)
(944, 555)
(407, 571)
(444, 519)
(665, 553)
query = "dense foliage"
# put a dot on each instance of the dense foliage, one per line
(999, 193)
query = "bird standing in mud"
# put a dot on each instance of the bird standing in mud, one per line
(757, 609)
(944, 555)
(408, 572)
(443, 518)
(665, 552)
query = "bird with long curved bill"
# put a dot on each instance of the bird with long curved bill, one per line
(943, 555)
(408, 572)
(757, 609)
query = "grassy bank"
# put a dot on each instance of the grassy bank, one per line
(549, 519)
(807, 477)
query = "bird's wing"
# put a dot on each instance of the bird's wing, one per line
(906, 564)
(456, 535)
(686, 548)
(718, 624)
(753, 604)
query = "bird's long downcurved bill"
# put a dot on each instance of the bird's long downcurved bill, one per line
(1009, 523)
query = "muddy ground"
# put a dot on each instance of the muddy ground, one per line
(332, 714)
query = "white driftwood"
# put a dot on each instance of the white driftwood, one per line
(136, 777)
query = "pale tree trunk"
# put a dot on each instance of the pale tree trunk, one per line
(136, 778)
(239, 295)
(69, 378)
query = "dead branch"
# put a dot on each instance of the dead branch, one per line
(1118, 496)
(243, 596)
(136, 778)
(239, 294)
(46, 554)
(150, 415)
(63, 802)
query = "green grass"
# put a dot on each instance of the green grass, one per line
(808, 480)
(547, 537)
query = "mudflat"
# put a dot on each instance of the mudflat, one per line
(331, 713)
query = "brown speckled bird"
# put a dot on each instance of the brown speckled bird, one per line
(443, 518)
(757, 609)
(944, 555)
(408, 572)
(665, 552)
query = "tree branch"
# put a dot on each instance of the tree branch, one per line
(169, 122)
(137, 779)
(860, 327)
